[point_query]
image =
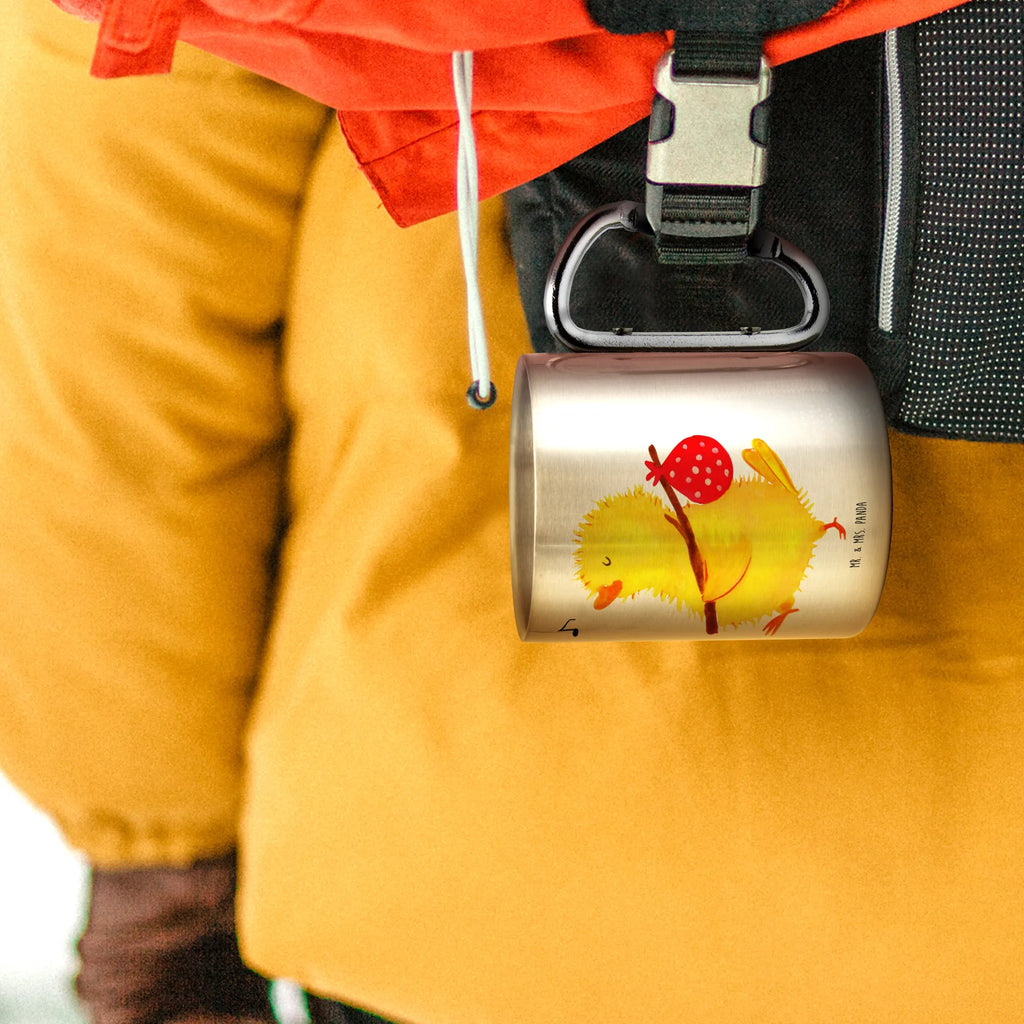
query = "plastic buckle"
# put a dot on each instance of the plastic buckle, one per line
(716, 136)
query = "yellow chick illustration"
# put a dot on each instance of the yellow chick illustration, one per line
(736, 559)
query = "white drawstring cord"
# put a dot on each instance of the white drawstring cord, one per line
(481, 393)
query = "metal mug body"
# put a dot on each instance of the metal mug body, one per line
(664, 496)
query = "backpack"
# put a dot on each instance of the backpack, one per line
(896, 164)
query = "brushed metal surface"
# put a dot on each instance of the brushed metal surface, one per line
(582, 427)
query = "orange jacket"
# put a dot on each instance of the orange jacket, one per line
(549, 83)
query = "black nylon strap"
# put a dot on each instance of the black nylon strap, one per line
(704, 227)
(630, 17)
(716, 54)
(700, 252)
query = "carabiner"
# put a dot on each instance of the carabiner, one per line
(629, 216)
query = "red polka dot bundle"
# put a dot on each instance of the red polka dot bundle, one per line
(699, 468)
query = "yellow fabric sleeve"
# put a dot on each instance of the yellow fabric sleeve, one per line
(145, 242)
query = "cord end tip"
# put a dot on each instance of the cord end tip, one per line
(478, 401)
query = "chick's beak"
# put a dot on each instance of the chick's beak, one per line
(607, 594)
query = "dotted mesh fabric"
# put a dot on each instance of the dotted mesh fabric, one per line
(966, 314)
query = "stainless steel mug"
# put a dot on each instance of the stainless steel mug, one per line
(689, 495)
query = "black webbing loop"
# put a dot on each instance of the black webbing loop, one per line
(716, 55)
(629, 17)
(687, 218)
